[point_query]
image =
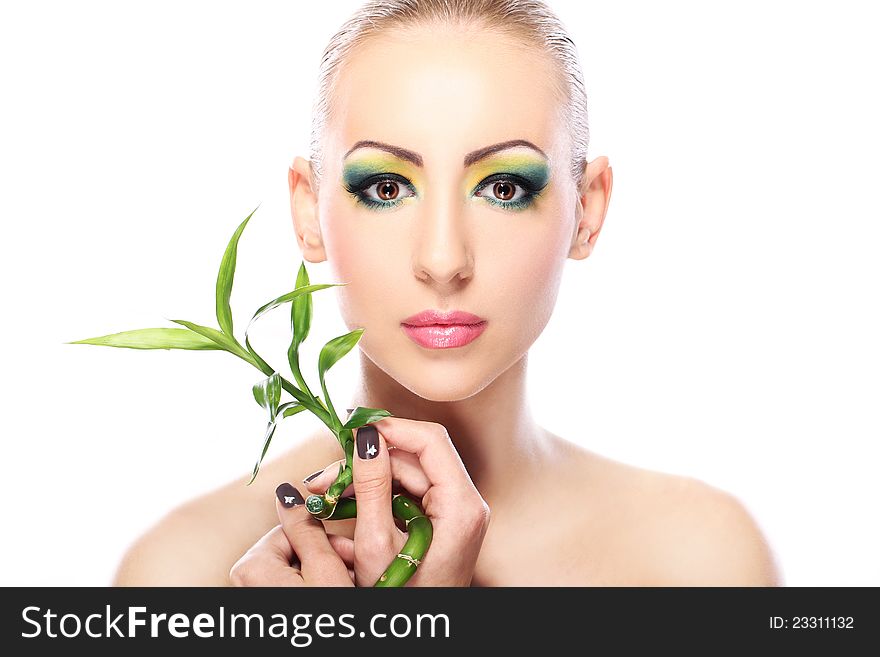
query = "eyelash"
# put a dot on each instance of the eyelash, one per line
(530, 192)
(359, 190)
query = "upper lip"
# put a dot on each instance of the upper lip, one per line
(432, 317)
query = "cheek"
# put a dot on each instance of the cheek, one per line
(365, 256)
(525, 268)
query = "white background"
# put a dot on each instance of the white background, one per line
(725, 327)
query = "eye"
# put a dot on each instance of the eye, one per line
(383, 191)
(507, 190)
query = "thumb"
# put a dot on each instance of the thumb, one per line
(372, 485)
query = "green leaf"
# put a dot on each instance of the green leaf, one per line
(153, 338)
(225, 277)
(290, 408)
(284, 298)
(290, 296)
(300, 322)
(361, 416)
(263, 366)
(267, 438)
(330, 354)
(221, 339)
(301, 310)
(285, 410)
(336, 349)
(268, 394)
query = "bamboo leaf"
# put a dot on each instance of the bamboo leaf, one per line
(284, 410)
(267, 438)
(336, 349)
(290, 408)
(225, 277)
(301, 310)
(221, 339)
(263, 366)
(300, 322)
(362, 416)
(330, 355)
(284, 298)
(302, 397)
(153, 338)
(290, 296)
(268, 394)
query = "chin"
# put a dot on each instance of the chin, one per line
(441, 392)
(438, 379)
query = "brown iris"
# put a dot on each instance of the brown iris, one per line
(388, 190)
(504, 190)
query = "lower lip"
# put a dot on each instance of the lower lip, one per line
(445, 336)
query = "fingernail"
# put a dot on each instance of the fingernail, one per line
(313, 475)
(288, 495)
(368, 442)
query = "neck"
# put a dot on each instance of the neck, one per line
(493, 430)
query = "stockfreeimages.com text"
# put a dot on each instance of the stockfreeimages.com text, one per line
(300, 629)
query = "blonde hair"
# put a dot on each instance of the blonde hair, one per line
(532, 21)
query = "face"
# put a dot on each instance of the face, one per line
(417, 213)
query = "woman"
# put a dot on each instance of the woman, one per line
(448, 182)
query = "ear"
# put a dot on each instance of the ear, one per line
(593, 197)
(304, 210)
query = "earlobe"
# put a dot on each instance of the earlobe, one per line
(581, 246)
(304, 211)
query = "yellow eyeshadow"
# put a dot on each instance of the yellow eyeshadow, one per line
(525, 165)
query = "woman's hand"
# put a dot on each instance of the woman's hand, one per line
(424, 461)
(298, 552)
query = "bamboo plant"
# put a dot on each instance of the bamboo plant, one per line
(268, 392)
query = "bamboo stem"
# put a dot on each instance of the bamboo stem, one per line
(330, 506)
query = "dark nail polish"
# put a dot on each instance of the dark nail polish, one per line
(289, 495)
(313, 475)
(368, 442)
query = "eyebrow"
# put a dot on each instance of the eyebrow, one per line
(469, 159)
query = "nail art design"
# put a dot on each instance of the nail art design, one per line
(288, 495)
(313, 475)
(368, 442)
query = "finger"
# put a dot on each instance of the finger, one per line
(344, 547)
(431, 443)
(267, 563)
(318, 482)
(407, 471)
(372, 487)
(308, 538)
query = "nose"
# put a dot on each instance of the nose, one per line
(442, 250)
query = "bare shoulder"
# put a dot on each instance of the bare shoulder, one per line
(197, 543)
(708, 537)
(675, 530)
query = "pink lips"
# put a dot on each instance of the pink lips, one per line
(434, 329)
